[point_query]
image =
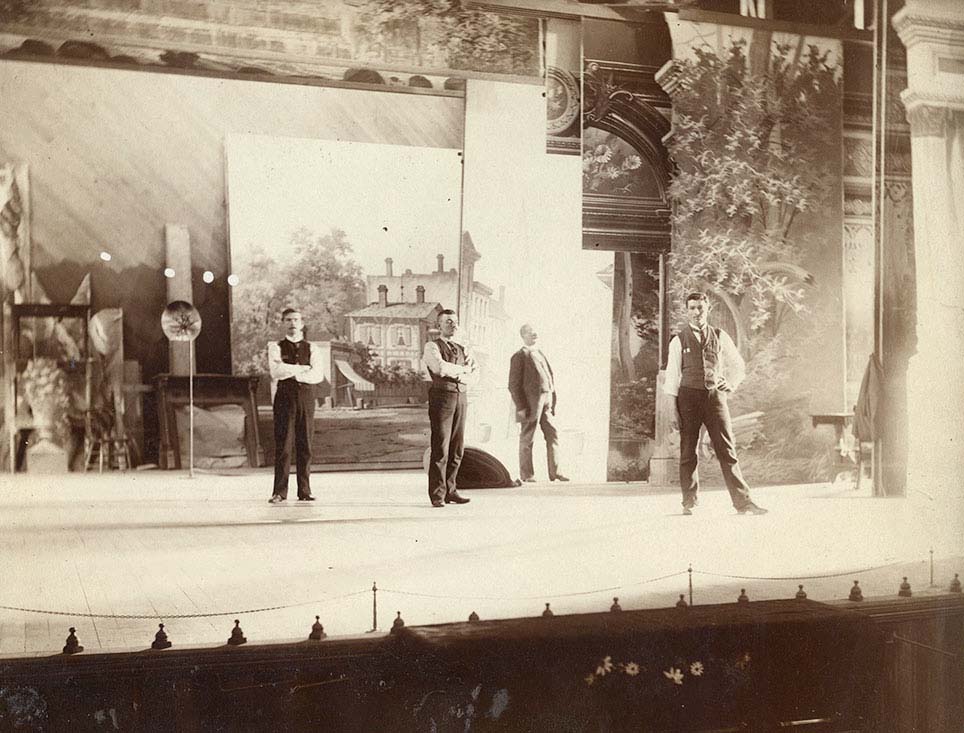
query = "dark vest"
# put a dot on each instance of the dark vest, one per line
(294, 353)
(700, 362)
(453, 353)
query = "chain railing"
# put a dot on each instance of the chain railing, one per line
(237, 636)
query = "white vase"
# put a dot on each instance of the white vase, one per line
(46, 414)
(45, 454)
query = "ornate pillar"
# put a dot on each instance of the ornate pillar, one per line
(933, 32)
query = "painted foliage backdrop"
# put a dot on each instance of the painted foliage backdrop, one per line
(759, 224)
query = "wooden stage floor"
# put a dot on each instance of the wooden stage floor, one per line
(115, 554)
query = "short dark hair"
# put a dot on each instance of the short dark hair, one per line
(697, 296)
(446, 312)
(287, 311)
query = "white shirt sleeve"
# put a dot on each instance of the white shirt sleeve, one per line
(277, 368)
(470, 374)
(437, 365)
(315, 372)
(734, 368)
(674, 367)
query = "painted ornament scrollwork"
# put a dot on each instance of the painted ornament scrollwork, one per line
(600, 91)
(858, 206)
(858, 157)
(858, 249)
(13, 269)
(896, 191)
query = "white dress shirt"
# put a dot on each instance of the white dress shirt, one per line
(731, 365)
(279, 370)
(543, 363)
(434, 362)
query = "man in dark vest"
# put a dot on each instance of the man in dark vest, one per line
(296, 368)
(451, 368)
(702, 368)
(533, 389)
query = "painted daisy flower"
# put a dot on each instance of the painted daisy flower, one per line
(605, 667)
(603, 153)
(631, 668)
(696, 669)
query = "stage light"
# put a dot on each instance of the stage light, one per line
(105, 256)
(208, 276)
(233, 279)
(168, 272)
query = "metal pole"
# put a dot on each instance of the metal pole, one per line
(190, 388)
(374, 606)
(463, 317)
(879, 240)
(690, 571)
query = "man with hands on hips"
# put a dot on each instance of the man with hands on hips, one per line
(702, 368)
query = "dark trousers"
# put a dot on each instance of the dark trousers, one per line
(543, 417)
(446, 415)
(707, 407)
(294, 422)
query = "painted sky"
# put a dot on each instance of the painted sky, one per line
(392, 201)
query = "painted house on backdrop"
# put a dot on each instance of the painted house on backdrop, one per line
(393, 329)
(395, 332)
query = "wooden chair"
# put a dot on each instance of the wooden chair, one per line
(101, 443)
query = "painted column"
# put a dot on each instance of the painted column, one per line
(933, 32)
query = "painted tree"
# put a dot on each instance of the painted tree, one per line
(756, 147)
(442, 31)
(750, 147)
(322, 280)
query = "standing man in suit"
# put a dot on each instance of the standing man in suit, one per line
(533, 390)
(451, 368)
(296, 367)
(702, 368)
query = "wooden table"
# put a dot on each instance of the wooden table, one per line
(839, 420)
(209, 390)
(842, 459)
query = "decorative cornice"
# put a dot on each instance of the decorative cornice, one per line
(668, 76)
(616, 78)
(913, 26)
(916, 97)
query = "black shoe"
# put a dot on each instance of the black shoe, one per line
(276, 499)
(455, 498)
(751, 508)
(687, 511)
(438, 503)
(306, 498)
(559, 477)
